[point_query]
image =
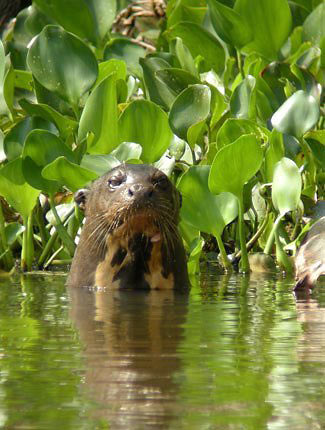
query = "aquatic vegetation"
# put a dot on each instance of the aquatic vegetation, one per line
(215, 94)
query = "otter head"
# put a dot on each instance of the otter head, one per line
(132, 198)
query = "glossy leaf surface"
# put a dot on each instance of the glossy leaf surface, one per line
(190, 107)
(41, 148)
(70, 174)
(146, 123)
(202, 209)
(286, 186)
(100, 117)
(14, 188)
(70, 77)
(235, 164)
(298, 114)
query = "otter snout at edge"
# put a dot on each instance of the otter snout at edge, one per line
(130, 238)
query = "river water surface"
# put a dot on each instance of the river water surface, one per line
(236, 353)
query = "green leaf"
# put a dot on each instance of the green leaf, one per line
(91, 18)
(200, 42)
(190, 107)
(270, 23)
(184, 56)
(127, 151)
(176, 80)
(215, 213)
(235, 164)
(145, 123)
(185, 10)
(229, 25)
(23, 79)
(75, 72)
(159, 92)
(14, 140)
(106, 68)
(41, 148)
(71, 175)
(233, 128)
(13, 187)
(243, 99)
(273, 154)
(298, 114)
(64, 124)
(129, 52)
(99, 164)
(314, 25)
(99, 116)
(286, 186)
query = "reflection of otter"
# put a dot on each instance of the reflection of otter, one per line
(130, 238)
(310, 258)
(130, 340)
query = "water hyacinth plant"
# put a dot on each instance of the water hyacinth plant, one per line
(224, 96)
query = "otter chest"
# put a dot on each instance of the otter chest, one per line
(134, 262)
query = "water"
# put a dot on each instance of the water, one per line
(237, 353)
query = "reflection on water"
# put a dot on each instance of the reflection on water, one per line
(236, 353)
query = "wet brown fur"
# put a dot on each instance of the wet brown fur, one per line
(117, 247)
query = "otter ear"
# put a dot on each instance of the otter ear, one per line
(80, 198)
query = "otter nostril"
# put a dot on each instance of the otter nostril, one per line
(135, 188)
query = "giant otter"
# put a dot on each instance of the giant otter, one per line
(130, 238)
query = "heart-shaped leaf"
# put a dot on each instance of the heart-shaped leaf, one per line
(202, 209)
(235, 164)
(286, 186)
(13, 187)
(146, 123)
(190, 107)
(70, 174)
(41, 148)
(70, 77)
(100, 117)
(298, 114)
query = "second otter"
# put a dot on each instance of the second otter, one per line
(130, 238)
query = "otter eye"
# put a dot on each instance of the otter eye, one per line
(162, 182)
(115, 181)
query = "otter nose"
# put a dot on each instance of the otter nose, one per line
(138, 190)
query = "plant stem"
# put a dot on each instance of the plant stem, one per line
(23, 261)
(66, 239)
(244, 263)
(7, 257)
(270, 240)
(225, 260)
(47, 249)
(254, 238)
(282, 258)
